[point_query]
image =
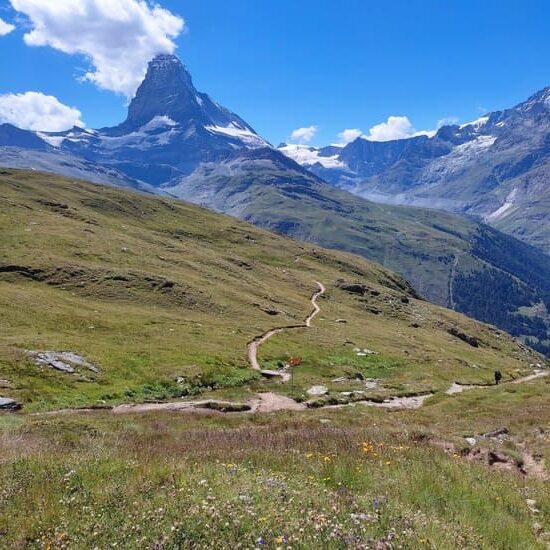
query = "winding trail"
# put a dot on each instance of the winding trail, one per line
(255, 344)
(456, 387)
(271, 402)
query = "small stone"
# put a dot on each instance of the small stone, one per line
(10, 405)
(532, 505)
(471, 441)
(317, 390)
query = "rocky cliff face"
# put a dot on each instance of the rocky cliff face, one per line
(168, 91)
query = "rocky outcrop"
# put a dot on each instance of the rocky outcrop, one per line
(471, 340)
(64, 361)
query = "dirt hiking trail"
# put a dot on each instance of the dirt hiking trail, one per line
(254, 345)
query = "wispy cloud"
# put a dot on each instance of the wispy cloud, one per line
(118, 38)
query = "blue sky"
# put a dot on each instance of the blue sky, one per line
(334, 65)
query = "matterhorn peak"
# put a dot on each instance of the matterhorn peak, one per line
(167, 91)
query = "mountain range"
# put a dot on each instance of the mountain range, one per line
(178, 142)
(495, 169)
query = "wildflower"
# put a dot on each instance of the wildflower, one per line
(260, 541)
(280, 540)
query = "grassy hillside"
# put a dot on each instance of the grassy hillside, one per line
(433, 250)
(152, 290)
(163, 298)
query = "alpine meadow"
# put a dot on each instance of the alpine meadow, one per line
(273, 329)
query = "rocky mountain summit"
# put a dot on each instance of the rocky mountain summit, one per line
(170, 130)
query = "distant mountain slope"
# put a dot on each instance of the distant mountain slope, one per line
(178, 142)
(496, 168)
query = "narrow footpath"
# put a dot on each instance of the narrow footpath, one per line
(254, 345)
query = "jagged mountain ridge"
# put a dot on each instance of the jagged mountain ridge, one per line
(179, 142)
(495, 168)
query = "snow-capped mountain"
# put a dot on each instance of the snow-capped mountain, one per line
(495, 168)
(171, 129)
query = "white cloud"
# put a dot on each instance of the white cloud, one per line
(304, 135)
(5, 28)
(348, 135)
(36, 111)
(396, 127)
(118, 37)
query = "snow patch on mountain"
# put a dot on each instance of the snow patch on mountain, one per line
(310, 156)
(477, 124)
(246, 136)
(476, 145)
(54, 141)
(159, 122)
